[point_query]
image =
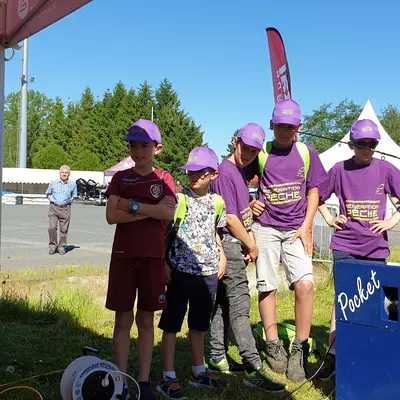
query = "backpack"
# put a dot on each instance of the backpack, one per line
(267, 147)
(179, 218)
(286, 333)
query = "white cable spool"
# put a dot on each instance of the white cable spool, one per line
(82, 380)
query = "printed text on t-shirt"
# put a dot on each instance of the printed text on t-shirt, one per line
(362, 210)
(283, 193)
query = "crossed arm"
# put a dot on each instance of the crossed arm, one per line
(117, 210)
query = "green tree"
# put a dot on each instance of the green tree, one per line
(390, 120)
(229, 148)
(50, 157)
(145, 100)
(86, 161)
(331, 122)
(11, 107)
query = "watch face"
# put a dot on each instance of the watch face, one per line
(135, 207)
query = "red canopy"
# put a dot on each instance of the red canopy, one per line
(126, 163)
(20, 19)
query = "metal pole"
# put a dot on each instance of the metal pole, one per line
(152, 113)
(2, 68)
(23, 123)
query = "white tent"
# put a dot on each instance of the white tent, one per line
(340, 152)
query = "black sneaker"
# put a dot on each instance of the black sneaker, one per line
(225, 367)
(259, 379)
(276, 356)
(171, 389)
(297, 364)
(207, 380)
(125, 394)
(328, 370)
(146, 391)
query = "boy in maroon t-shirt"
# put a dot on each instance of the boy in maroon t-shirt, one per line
(141, 201)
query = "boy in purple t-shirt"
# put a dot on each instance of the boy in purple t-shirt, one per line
(233, 298)
(288, 194)
(362, 184)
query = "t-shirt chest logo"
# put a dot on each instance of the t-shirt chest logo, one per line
(156, 190)
(379, 189)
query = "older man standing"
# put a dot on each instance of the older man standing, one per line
(61, 193)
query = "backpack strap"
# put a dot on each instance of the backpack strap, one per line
(263, 156)
(301, 148)
(180, 211)
(305, 156)
(219, 206)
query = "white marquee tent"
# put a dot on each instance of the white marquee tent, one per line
(340, 152)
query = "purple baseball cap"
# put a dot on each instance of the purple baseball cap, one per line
(201, 158)
(287, 112)
(252, 135)
(144, 130)
(364, 129)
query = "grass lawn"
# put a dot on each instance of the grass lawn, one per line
(48, 316)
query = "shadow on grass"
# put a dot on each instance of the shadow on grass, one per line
(38, 339)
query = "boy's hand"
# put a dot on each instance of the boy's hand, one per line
(257, 207)
(167, 273)
(221, 266)
(122, 204)
(304, 234)
(337, 222)
(383, 226)
(167, 202)
(252, 252)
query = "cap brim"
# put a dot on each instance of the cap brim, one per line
(131, 139)
(285, 119)
(252, 143)
(192, 167)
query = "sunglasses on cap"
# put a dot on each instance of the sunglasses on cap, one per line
(361, 144)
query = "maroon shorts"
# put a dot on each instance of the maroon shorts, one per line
(144, 275)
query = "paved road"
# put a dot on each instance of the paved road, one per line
(24, 237)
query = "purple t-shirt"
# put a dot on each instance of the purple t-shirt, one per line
(231, 184)
(362, 197)
(283, 187)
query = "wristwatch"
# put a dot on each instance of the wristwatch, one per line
(134, 207)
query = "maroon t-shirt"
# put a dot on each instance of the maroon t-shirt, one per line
(145, 238)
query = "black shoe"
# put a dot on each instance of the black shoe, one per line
(328, 370)
(225, 367)
(171, 389)
(146, 391)
(207, 380)
(297, 364)
(259, 379)
(61, 251)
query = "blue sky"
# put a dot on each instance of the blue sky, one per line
(215, 54)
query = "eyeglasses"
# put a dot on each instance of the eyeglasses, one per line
(202, 173)
(365, 145)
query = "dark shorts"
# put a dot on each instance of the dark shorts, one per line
(199, 292)
(146, 276)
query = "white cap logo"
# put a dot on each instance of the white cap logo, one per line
(23, 8)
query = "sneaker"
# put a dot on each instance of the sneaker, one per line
(146, 391)
(298, 361)
(51, 252)
(208, 380)
(61, 251)
(328, 370)
(171, 389)
(276, 356)
(224, 367)
(125, 394)
(259, 379)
